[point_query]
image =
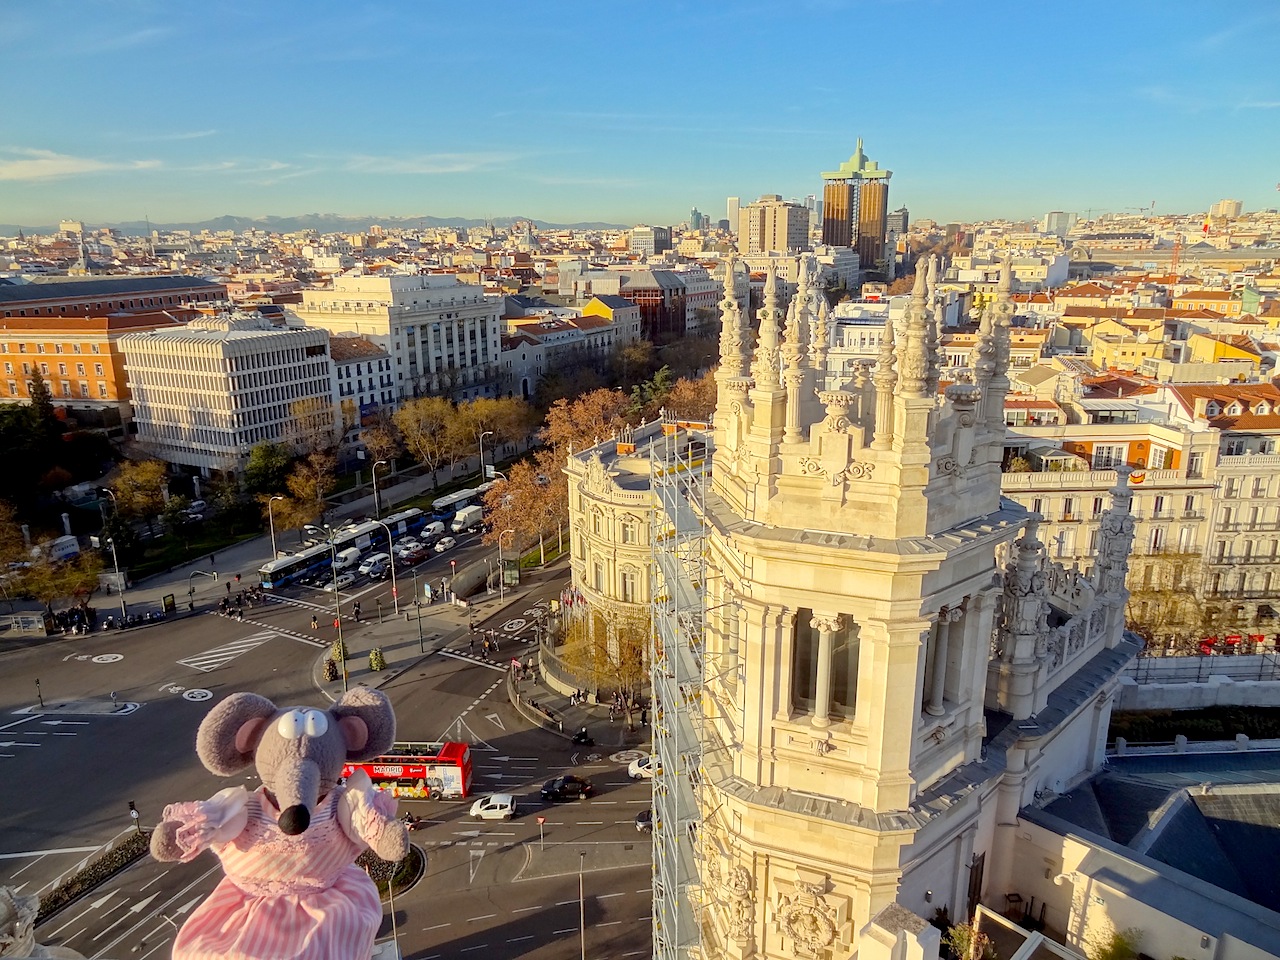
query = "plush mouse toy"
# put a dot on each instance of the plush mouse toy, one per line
(291, 888)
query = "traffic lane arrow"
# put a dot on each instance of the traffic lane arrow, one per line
(135, 909)
(17, 743)
(57, 723)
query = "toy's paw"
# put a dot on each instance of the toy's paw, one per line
(373, 818)
(196, 824)
(164, 842)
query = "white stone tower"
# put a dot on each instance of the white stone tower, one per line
(871, 673)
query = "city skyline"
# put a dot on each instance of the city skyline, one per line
(149, 110)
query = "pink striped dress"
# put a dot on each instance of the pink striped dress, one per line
(283, 897)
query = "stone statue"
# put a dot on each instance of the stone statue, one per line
(17, 928)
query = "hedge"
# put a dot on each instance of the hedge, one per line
(132, 848)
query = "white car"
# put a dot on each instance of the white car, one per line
(344, 580)
(446, 543)
(373, 560)
(407, 544)
(643, 768)
(196, 506)
(499, 806)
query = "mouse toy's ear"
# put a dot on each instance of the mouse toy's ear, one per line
(229, 735)
(367, 721)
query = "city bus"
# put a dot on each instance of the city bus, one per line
(444, 508)
(282, 570)
(421, 771)
(319, 557)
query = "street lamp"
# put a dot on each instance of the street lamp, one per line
(337, 604)
(487, 433)
(377, 507)
(582, 906)
(502, 573)
(115, 560)
(272, 520)
(395, 597)
(453, 572)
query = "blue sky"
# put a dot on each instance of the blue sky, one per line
(568, 111)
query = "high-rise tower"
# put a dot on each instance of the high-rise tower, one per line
(869, 665)
(855, 206)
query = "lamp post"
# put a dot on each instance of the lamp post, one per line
(115, 560)
(395, 597)
(582, 907)
(337, 604)
(487, 433)
(502, 573)
(377, 507)
(453, 572)
(191, 590)
(271, 519)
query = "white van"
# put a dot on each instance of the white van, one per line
(346, 559)
(373, 560)
(432, 532)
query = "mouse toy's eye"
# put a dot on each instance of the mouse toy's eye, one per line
(290, 725)
(317, 723)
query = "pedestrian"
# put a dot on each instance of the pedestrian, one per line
(471, 644)
(612, 709)
(528, 667)
(355, 610)
(228, 588)
(644, 717)
(496, 648)
(315, 622)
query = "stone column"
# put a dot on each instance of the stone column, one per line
(941, 650)
(827, 626)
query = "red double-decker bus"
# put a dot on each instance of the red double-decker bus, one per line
(423, 771)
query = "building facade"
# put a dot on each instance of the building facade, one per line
(771, 224)
(205, 394)
(363, 386)
(443, 336)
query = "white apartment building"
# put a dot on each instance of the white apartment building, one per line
(205, 394)
(363, 383)
(701, 294)
(443, 336)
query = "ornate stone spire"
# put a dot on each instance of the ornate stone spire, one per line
(934, 329)
(913, 350)
(1024, 626)
(764, 368)
(795, 359)
(1115, 539)
(734, 359)
(820, 337)
(886, 381)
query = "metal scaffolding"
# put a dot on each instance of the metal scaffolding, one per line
(680, 467)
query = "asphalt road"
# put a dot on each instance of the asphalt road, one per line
(492, 887)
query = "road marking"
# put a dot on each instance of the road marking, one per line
(23, 720)
(526, 909)
(606, 896)
(479, 663)
(136, 908)
(496, 719)
(45, 853)
(438, 926)
(519, 939)
(611, 923)
(591, 823)
(476, 857)
(58, 723)
(563, 903)
(16, 743)
(478, 946)
(487, 916)
(154, 949)
(212, 659)
(556, 933)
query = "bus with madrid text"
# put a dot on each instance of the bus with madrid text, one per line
(420, 771)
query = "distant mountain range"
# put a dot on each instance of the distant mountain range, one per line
(320, 222)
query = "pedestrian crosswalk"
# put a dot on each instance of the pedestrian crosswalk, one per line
(213, 659)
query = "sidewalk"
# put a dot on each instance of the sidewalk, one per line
(445, 626)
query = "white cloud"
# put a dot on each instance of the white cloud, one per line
(424, 164)
(18, 163)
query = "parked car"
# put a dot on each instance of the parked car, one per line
(407, 544)
(643, 768)
(373, 560)
(344, 580)
(197, 506)
(499, 806)
(446, 543)
(567, 787)
(644, 821)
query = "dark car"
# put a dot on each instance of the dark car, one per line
(566, 788)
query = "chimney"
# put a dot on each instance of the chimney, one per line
(1202, 404)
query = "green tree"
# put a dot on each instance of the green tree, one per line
(310, 481)
(138, 488)
(44, 414)
(312, 426)
(267, 468)
(647, 397)
(632, 362)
